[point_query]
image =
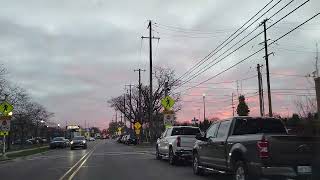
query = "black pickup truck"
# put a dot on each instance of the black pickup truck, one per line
(254, 147)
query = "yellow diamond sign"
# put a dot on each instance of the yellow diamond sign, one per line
(137, 125)
(5, 108)
(167, 102)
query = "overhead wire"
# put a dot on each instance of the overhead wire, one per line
(210, 66)
(203, 59)
(225, 70)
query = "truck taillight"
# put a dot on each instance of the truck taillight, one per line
(178, 141)
(263, 148)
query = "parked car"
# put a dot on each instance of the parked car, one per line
(130, 139)
(119, 138)
(58, 142)
(176, 143)
(91, 139)
(78, 141)
(254, 147)
(67, 142)
(123, 139)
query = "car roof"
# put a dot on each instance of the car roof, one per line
(185, 127)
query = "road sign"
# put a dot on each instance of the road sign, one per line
(4, 125)
(87, 134)
(4, 133)
(5, 108)
(137, 131)
(137, 125)
(167, 102)
(168, 120)
(119, 128)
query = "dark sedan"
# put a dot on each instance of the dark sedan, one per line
(58, 142)
(78, 141)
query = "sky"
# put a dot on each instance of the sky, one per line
(74, 55)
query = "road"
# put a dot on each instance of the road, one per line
(104, 159)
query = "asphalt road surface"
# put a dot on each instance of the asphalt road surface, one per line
(104, 159)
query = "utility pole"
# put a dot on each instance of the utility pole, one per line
(232, 105)
(267, 65)
(116, 116)
(261, 99)
(130, 102)
(150, 66)
(124, 109)
(140, 96)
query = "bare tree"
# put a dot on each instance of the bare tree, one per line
(131, 110)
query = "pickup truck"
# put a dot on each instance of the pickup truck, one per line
(254, 147)
(176, 143)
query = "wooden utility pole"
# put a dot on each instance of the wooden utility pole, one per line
(140, 96)
(130, 102)
(267, 65)
(261, 99)
(150, 69)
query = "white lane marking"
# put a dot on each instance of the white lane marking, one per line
(76, 171)
(75, 165)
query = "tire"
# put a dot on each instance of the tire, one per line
(158, 156)
(195, 165)
(241, 171)
(172, 157)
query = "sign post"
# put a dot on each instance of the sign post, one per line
(168, 114)
(6, 110)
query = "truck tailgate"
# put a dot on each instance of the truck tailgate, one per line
(292, 150)
(187, 141)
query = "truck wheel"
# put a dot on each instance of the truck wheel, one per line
(195, 165)
(172, 157)
(158, 156)
(241, 171)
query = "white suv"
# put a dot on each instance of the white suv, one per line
(176, 143)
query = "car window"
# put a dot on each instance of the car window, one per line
(258, 125)
(223, 129)
(185, 131)
(169, 131)
(58, 139)
(211, 132)
(79, 138)
(164, 133)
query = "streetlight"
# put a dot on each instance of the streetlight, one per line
(204, 106)
(42, 121)
(59, 125)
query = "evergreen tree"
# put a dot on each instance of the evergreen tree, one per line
(242, 109)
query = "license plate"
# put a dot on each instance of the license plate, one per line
(304, 169)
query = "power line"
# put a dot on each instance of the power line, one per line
(255, 52)
(199, 62)
(200, 71)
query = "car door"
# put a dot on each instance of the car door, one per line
(166, 141)
(161, 142)
(205, 146)
(218, 150)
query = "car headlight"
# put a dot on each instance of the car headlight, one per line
(71, 142)
(84, 141)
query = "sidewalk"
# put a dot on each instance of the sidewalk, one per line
(24, 152)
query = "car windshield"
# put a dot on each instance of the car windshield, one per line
(58, 139)
(79, 138)
(259, 125)
(101, 89)
(185, 131)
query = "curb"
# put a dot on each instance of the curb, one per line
(14, 152)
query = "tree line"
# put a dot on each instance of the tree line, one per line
(29, 119)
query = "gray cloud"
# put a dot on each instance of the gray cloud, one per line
(74, 55)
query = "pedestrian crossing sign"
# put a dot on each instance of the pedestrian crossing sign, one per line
(4, 133)
(167, 102)
(5, 108)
